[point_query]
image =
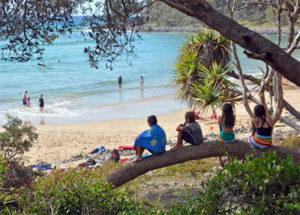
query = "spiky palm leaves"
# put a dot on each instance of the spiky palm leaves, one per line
(212, 47)
(201, 70)
(213, 87)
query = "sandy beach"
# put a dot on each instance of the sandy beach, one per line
(58, 142)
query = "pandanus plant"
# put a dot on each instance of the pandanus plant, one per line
(201, 68)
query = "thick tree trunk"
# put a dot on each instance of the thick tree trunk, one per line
(204, 150)
(261, 47)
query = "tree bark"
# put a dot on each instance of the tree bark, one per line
(287, 105)
(291, 109)
(293, 12)
(278, 96)
(290, 123)
(270, 53)
(187, 153)
(231, 10)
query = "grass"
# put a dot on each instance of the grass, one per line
(292, 141)
(195, 169)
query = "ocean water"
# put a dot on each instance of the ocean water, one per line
(75, 92)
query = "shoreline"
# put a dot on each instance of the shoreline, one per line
(193, 29)
(141, 107)
(58, 142)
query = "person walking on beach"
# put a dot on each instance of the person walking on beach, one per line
(24, 98)
(190, 131)
(153, 139)
(41, 103)
(141, 81)
(120, 80)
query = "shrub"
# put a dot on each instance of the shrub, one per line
(262, 185)
(77, 192)
(16, 139)
(15, 177)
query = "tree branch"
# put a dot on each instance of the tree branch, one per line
(294, 44)
(273, 55)
(287, 105)
(245, 90)
(187, 153)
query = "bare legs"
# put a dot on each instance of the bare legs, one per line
(179, 142)
(139, 151)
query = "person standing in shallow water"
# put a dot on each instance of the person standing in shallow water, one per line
(28, 102)
(24, 98)
(120, 80)
(41, 103)
(141, 81)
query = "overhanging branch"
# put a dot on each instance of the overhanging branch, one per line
(204, 150)
(255, 43)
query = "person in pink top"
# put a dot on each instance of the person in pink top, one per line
(141, 81)
(28, 102)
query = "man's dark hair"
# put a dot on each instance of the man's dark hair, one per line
(152, 120)
(190, 117)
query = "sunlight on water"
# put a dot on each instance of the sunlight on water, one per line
(73, 91)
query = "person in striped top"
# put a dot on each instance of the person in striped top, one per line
(261, 137)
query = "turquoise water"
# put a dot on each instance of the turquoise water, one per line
(74, 92)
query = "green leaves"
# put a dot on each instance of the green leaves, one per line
(201, 70)
(16, 139)
(260, 185)
(78, 192)
(212, 89)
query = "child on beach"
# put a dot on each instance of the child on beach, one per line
(226, 124)
(28, 102)
(153, 139)
(261, 137)
(141, 81)
(190, 131)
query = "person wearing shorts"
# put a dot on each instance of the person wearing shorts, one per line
(153, 139)
(24, 99)
(190, 131)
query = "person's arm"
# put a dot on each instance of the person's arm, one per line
(180, 127)
(220, 122)
(234, 115)
(253, 124)
(270, 121)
